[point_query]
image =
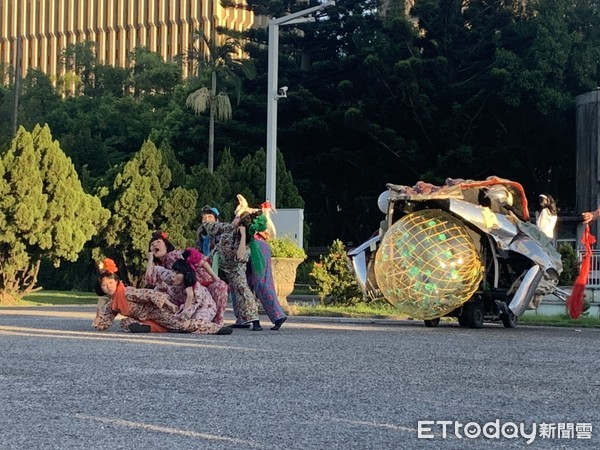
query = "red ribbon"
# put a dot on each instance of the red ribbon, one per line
(575, 300)
(266, 205)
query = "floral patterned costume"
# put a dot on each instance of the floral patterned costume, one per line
(263, 286)
(204, 306)
(147, 305)
(217, 289)
(234, 269)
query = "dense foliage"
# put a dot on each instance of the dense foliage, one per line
(456, 89)
(570, 264)
(44, 212)
(335, 282)
(284, 247)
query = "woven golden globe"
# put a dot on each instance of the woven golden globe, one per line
(427, 264)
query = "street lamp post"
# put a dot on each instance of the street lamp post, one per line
(273, 94)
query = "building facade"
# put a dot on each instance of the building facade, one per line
(33, 33)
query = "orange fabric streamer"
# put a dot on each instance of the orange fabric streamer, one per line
(119, 301)
(155, 327)
(575, 300)
(121, 305)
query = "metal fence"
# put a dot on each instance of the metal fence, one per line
(594, 276)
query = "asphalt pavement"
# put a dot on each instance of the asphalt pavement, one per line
(318, 383)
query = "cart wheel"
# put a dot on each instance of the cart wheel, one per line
(509, 320)
(472, 316)
(432, 323)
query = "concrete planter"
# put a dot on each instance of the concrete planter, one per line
(284, 277)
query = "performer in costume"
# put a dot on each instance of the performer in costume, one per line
(145, 310)
(547, 216)
(193, 300)
(206, 244)
(236, 249)
(165, 255)
(262, 284)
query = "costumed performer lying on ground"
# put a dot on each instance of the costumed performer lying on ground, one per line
(193, 300)
(165, 255)
(145, 310)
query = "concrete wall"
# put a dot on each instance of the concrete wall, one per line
(553, 306)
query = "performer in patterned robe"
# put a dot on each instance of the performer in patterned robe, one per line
(193, 299)
(235, 254)
(165, 255)
(145, 310)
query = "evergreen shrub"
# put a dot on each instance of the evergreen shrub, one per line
(335, 281)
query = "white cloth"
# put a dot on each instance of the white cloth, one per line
(546, 222)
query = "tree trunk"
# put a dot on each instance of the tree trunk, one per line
(7, 299)
(30, 281)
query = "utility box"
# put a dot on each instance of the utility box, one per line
(290, 222)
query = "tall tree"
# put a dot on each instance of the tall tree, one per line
(133, 199)
(79, 62)
(151, 76)
(38, 100)
(217, 60)
(141, 201)
(178, 214)
(44, 212)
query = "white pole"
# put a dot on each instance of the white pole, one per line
(272, 93)
(272, 112)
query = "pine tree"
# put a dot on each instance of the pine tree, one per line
(178, 216)
(208, 186)
(177, 169)
(23, 205)
(336, 285)
(44, 211)
(137, 191)
(72, 217)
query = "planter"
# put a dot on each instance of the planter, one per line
(284, 277)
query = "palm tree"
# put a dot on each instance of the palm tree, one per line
(218, 61)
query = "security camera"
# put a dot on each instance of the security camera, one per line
(283, 91)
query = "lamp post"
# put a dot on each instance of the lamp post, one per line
(273, 93)
(17, 66)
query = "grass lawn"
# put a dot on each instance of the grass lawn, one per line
(42, 297)
(360, 310)
(562, 320)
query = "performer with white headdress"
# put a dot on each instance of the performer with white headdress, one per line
(262, 283)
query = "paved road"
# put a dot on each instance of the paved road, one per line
(315, 384)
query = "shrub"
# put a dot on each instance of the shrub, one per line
(570, 263)
(334, 279)
(284, 247)
(303, 273)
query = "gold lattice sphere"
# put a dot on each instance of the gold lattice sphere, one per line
(427, 264)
